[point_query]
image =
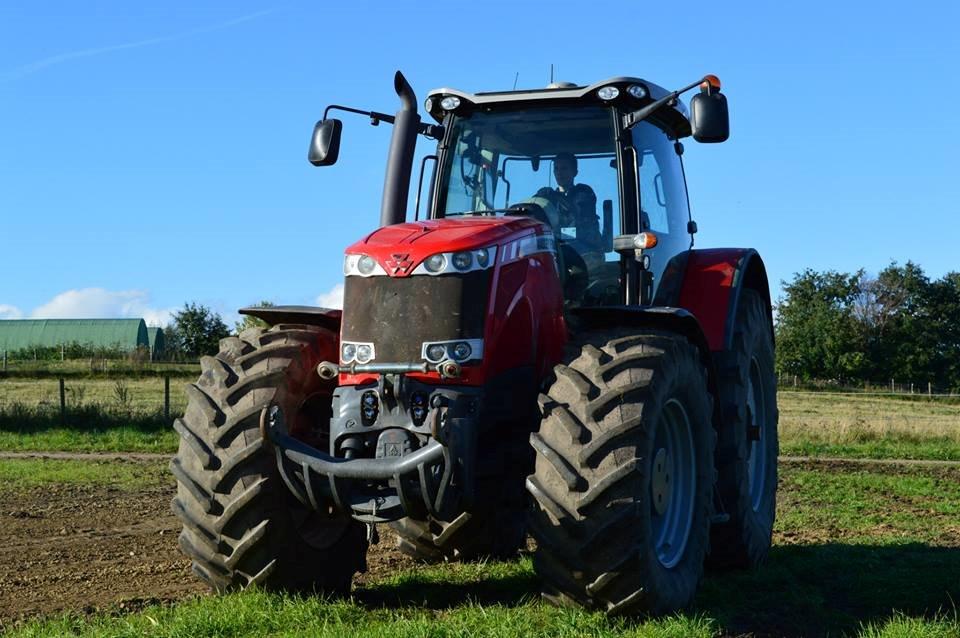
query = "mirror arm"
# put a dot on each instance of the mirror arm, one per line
(636, 116)
(433, 131)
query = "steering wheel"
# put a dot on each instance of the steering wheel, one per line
(529, 209)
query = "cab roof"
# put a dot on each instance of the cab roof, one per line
(676, 118)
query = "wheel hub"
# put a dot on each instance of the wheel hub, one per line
(660, 481)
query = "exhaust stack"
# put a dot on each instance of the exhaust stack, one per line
(396, 184)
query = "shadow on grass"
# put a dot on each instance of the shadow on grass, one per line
(803, 590)
(23, 419)
(509, 590)
(810, 590)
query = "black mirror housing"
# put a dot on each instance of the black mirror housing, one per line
(709, 117)
(325, 144)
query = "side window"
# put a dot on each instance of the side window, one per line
(652, 202)
(663, 197)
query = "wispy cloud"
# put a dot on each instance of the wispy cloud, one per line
(9, 312)
(333, 298)
(39, 65)
(97, 303)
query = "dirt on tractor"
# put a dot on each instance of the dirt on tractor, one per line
(92, 549)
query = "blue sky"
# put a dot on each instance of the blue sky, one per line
(154, 153)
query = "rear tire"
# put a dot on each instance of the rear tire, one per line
(624, 475)
(497, 527)
(747, 483)
(241, 525)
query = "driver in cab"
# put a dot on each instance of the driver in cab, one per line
(576, 204)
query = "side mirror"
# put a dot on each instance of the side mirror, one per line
(709, 118)
(325, 145)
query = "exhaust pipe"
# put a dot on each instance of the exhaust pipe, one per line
(403, 144)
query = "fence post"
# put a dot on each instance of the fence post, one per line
(63, 403)
(929, 388)
(166, 397)
(911, 387)
(891, 387)
(4, 360)
(62, 354)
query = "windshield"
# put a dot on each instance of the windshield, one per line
(501, 159)
(556, 164)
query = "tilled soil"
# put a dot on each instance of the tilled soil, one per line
(97, 548)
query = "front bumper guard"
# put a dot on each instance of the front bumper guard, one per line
(420, 482)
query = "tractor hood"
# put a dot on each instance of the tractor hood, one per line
(411, 243)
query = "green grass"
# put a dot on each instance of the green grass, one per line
(868, 426)
(27, 473)
(871, 552)
(123, 438)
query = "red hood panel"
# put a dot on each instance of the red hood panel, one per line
(419, 240)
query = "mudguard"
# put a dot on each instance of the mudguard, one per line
(707, 283)
(310, 315)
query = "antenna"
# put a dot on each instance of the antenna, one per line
(515, 78)
(551, 73)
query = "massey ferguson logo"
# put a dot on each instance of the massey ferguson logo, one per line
(399, 264)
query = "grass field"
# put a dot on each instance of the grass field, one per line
(113, 415)
(858, 551)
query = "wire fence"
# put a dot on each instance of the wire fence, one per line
(892, 388)
(90, 402)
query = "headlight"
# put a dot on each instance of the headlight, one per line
(436, 263)
(348, 352)
(435, 353)
(359, 352)
(361, 265)
(458, 262)
(364, 352)
(366, 264)
(608, 93)
(462, 261)
(450, 102)
(461, 350)
(637, 90)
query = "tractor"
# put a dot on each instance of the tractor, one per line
(527, 357)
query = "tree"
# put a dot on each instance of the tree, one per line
(250, 321)
(817, 329)
(198, 330)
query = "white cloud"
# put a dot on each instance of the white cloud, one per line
(9, 312)
(333, 298)
(97, 303)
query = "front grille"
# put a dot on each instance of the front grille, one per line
(398, 314)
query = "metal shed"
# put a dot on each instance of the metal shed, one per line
(126, 334)
(157, 342)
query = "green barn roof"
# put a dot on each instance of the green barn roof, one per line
(127, 334)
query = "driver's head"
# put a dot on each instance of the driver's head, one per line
(565, 169)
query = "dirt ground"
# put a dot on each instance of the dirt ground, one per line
(90, 549)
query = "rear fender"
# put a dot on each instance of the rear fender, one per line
(309, 315)
(708, 284)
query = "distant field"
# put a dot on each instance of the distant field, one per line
(869, 426)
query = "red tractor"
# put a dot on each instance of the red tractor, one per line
(520, 360)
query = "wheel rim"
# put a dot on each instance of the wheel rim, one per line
(757, 455)
(672, 484)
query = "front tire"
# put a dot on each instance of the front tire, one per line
(624, 475)
(241, 526)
